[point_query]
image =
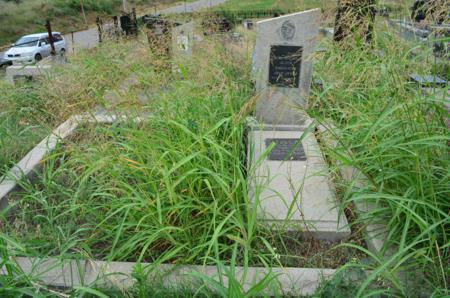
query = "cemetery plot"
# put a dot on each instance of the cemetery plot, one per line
(218, 177)
(170, 190)
(23, 123)
(122, 199)
(290, 187)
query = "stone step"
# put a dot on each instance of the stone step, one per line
(295, 194)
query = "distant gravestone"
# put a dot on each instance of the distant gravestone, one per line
(159, 37)
(288, 176)
(126, 24)
(182, 40)
(248, 24)
(355, 18)
(283, 65)
(17, 73)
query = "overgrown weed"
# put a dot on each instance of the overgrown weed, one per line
(395, 135)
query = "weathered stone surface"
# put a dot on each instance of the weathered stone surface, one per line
(281, 103)
(182, 40)
(296, 194)
(31, 71)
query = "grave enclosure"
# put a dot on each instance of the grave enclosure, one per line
(288, 177)
(289, 183)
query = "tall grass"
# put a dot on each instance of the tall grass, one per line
(22, 123)
(395, 135)
(30, 111)
(171, 189)
(174, 188)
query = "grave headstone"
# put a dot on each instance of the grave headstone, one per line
(128, 23)
(182, 40)
(17, 73)
(248, 24)
(288, 176)
(159, 37)
(283, 65)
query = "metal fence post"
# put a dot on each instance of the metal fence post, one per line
(73, 42)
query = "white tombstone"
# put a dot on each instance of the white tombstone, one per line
(283, 65)
(25, 71)
(289, 178)
(182, 40)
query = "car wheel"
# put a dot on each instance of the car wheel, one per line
(38, 57)
(62, 52)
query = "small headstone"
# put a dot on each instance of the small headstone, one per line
(126, 23)
(248, 24)
(182, 40)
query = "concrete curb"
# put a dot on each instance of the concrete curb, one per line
(375, 234)
(32, 71)
(32, 160)
(71, 273)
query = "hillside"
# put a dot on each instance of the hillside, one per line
(18, 17)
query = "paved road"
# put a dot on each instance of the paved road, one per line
(89, 38)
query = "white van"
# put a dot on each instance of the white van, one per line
(34, 47)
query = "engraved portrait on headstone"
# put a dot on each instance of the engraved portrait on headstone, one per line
(183, 41)
(287, 30)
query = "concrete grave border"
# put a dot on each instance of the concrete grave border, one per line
(68, 272)
(375, 234)
(72, 273)
(28, 164)
(321, 229)
(32, 71)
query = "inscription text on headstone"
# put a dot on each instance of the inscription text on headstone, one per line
(285, 66)
(286, 149)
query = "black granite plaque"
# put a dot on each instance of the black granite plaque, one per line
(286, 149)
(285, 66)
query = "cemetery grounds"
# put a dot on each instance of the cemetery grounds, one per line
(173, 187)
